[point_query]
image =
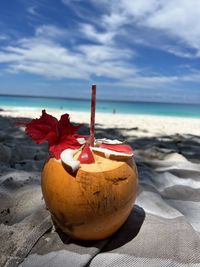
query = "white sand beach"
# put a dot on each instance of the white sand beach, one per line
(150, 136)
(146, 125)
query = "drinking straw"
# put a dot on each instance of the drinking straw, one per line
(92, 118)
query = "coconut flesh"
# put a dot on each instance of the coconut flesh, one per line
(67, 156)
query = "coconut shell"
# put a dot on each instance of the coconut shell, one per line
(94, 202)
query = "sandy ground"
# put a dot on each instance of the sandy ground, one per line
(147, 125)
(150, 136)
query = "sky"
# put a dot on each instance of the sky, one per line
(132, 50)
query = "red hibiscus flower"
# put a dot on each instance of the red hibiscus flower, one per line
(59, 134)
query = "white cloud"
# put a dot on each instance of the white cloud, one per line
(92, 34)
(179, 19)
(4, 37)
(32, 10)
(44, 55)
(44, 58)
(138, 9)
(150, 82)
(173, 22)
(113, 21)
(67, 2)
(172, 25)
(100, 53)
(51, 32)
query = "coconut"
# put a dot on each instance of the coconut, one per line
(89, 185)
(94, 201)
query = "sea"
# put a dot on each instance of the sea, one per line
(122, 107)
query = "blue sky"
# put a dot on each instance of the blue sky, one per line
(133, 50)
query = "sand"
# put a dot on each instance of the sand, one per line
(147, 125)
(150, 136)
(170, 145)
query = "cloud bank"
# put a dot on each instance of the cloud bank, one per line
(105, 44)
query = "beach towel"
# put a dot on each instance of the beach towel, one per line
(163, 228)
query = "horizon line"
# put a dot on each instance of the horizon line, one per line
(99, 99)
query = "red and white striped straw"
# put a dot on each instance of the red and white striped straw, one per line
(92, 118)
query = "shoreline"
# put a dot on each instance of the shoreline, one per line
(180, 110)
(57, 110)
(146, 125)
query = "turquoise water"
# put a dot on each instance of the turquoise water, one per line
(164, 109)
